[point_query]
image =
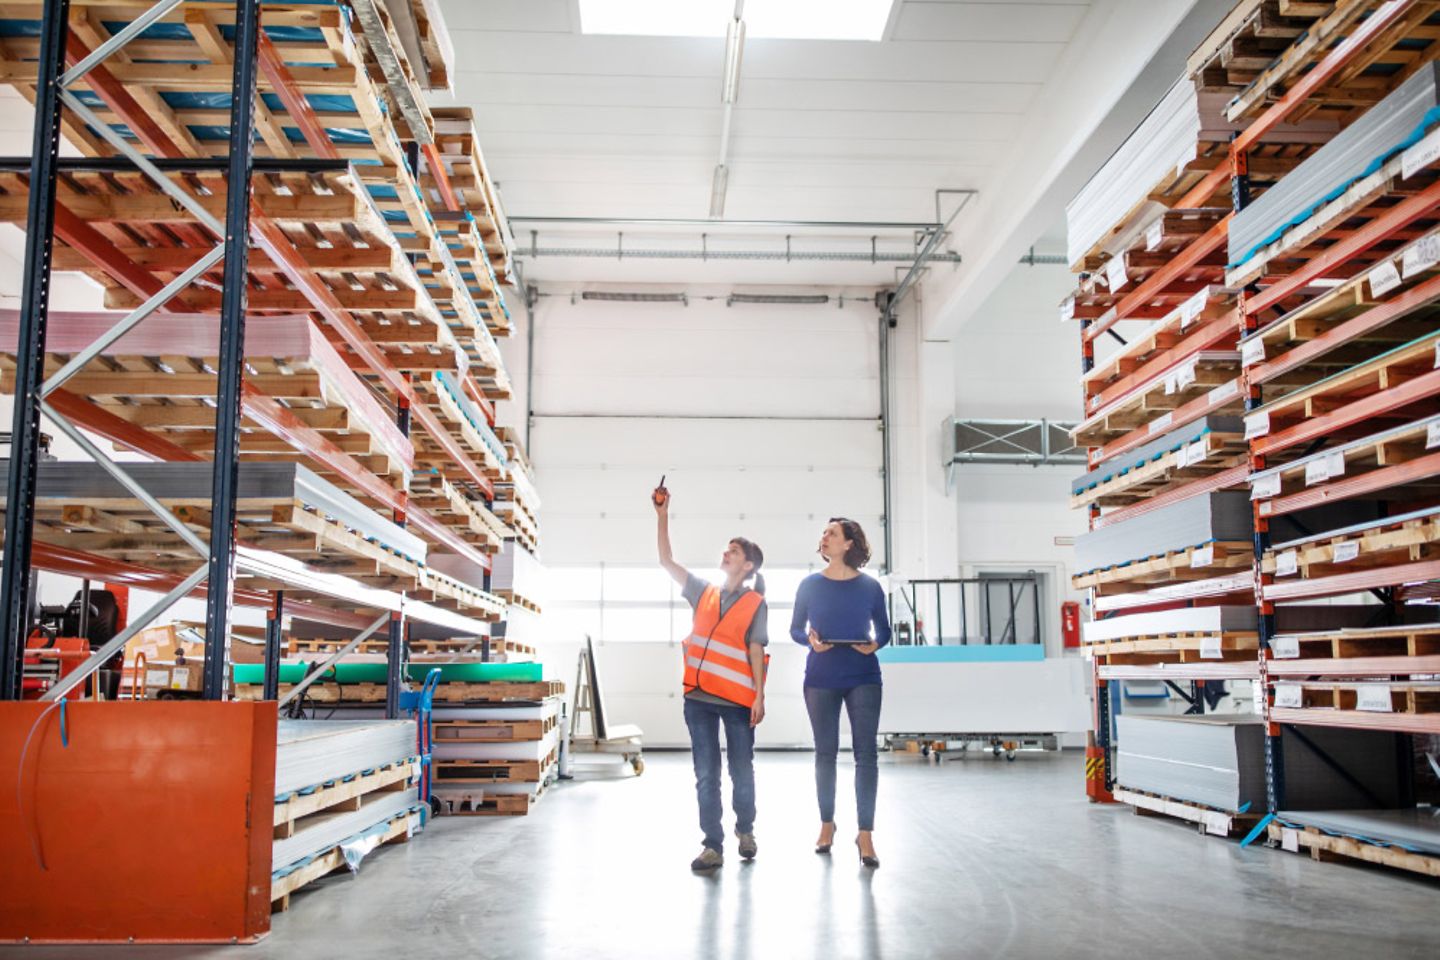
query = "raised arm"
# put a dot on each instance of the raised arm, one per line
(661, 500)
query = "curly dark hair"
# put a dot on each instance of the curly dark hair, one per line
(859, 553)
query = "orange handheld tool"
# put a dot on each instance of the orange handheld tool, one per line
(661, 496)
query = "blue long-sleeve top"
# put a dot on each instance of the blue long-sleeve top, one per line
(843, 610)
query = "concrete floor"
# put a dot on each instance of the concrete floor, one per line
(980, 859)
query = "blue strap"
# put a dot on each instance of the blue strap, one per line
(1259, 829)
(64, 730)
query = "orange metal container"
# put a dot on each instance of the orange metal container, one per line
(152, 824)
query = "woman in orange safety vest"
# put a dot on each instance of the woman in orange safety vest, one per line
(724, 683)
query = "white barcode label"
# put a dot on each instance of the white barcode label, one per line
(1384, 278)
(1185, 375)
(1289, 840)
(1067, 309)
(157, 678)
(1257, 424)
(1285, 648)
(1420, 156)
(1196, 452)
(1193, 307)
(1420, 256)
(1210, 648)
(1437, 355)
(1374, 697)
(1252, 352)
(1170, 384)
(1154, 234)
(179, 678)
(1202, 556)
(1432, 435)
(1224, 391)
(1287, 563)
(1317, 471)
(1265, 486)
(1115, 274)
(1289, 695)
(1162, 423)
(1345, 552)
(1335, 463)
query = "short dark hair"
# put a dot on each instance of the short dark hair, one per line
(859, 553)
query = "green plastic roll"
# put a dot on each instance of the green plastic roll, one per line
(293, 671)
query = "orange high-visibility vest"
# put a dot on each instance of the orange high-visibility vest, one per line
(717, 660)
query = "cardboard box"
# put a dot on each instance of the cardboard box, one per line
(163, 644)
(161, 676)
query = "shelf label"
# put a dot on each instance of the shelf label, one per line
(1257, 424)
(1202, 556)
(1335, 463)
(1420, 156)
(1154, 234)
(1196, 453)
(1345, 552)
(1287, 563)
(1374, 697)
(1223, 391)
(1432, 435)
(1285, 648)
(1210, 648)
(1265, 486)
(1289, 840)
(1420, 256)
(1171, 384)
(1325, 468)
(1437, 354)
(1162, 423)
(1384, 278)
(1289, 695)
(1067, 309)
(1252, 351)
(1115, 274)
(1186, 374)
(1193, 307)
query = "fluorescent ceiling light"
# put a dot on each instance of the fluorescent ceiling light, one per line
(764, 19)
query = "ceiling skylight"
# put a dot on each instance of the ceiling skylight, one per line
(764, 19)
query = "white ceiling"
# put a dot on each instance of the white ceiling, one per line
(608, 126)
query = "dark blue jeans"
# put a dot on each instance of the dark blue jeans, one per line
(862, 704)
(704, 720)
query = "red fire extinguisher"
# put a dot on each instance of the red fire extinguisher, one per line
(1070, 623)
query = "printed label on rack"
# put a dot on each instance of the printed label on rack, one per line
(1287, 563)
(1196, 453)
(1193, 307)
(1421, 256)
(1257, 424)
(1384, 278)
(1289, 695)
(1170, 384)
(1224, 391)
(1437, 355)
(1345, 552)
(1420, 156)
(1374, 697)
(1252, 352)
(1115, 274)
(179, 678)
(1265, 487)
(1285, 648)
(1067, 309)
(1335, 463)
(1289, 840)
(1317, 471)
(1162, 423)
(1202, 556)
(1432, 435)
(1154, 234)
(1185, 375)
(1210, 649)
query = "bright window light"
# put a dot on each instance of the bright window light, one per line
(764, 19)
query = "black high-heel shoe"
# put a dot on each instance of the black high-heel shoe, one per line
(825, 847)
(871, 862)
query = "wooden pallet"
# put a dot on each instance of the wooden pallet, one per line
(1406, 697)
(1152, 404)
(1382, 545)
(1174, 565)
(515, 599)
(282, 888)
(511, 805)
(1248, 40)
(499, 691)
(336, 795)
(1175, 648)
(1403, 641)
(472, 648)
(1170, 470)
(491, 771)
(493, 731)
(1211, 821)
(1324, 847)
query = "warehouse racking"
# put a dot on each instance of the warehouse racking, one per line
(1324, 340)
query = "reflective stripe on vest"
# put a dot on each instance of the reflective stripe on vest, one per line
(716, 652)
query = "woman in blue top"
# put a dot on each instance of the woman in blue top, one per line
(841, 615)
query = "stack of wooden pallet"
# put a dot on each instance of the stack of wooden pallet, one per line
(1317, 324)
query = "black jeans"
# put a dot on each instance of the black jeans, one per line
(862, 703)
(704, 720)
